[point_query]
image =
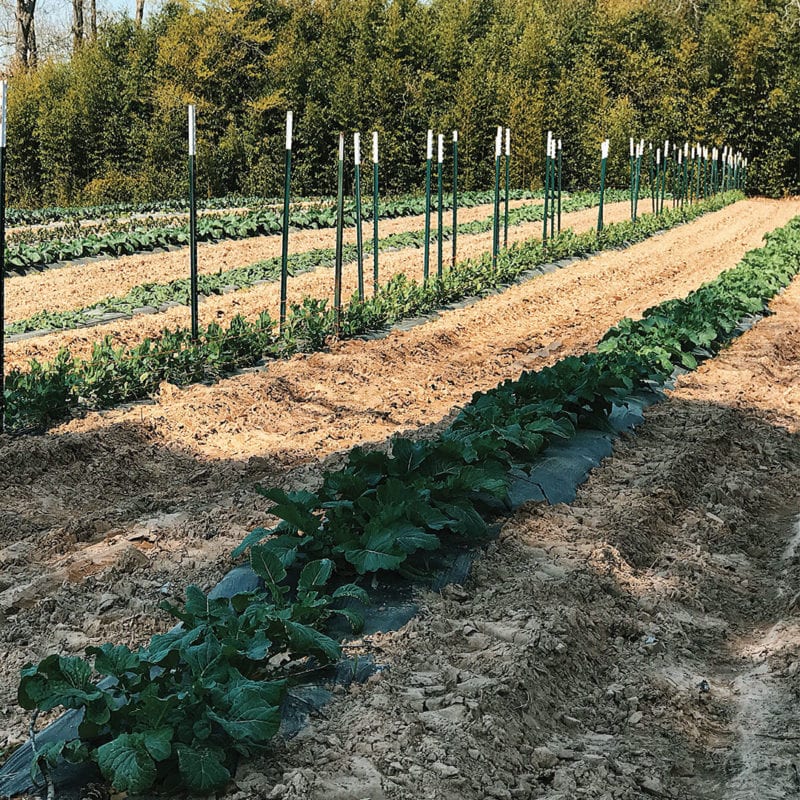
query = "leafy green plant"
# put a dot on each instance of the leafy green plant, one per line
(180, 711)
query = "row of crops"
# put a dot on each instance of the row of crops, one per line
(155, 295)
(179, 712)
(46, 392)
(38, 249)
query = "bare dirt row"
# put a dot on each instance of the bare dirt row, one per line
(250, 303)
(641, 642)
(78, 285)
(110, 514)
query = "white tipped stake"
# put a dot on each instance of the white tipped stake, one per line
(666, 148)
(440, 153)
(498, 143)
(559, 145)
(429, 149)
(604, 149)
(455, 136)
(357, 148)
(631, 143)
(341, 147)
(289, 123)
(192, 131)
(508, 142)
(658, 156)
(374, 147)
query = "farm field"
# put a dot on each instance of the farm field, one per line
(81, 284)
(133, 504)
(641, 641)
(252, 302)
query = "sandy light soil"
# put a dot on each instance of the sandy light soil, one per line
(129, 506)
(266, 297)
(79, 285)
(641, 642)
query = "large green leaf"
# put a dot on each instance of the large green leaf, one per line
(202, 768)
(305, 639)
(127, 764)
(253, 716)
(57, 681)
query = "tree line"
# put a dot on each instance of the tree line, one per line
(108, 123)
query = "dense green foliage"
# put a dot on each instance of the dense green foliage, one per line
(46, 392)
(109, 124)
(181, 710)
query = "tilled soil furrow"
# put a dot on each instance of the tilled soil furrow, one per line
(131, 505)
(641, 642)
(251, 303)
(81, 284)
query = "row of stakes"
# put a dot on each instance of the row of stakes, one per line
(690, 173)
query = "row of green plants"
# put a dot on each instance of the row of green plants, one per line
(179, 712)
(22, 256)
(44, 216)
(154, 295)
(46, 392)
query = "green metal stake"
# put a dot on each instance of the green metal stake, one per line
(559, 185)
(439, 205)
(698, 152)
(3, 106)
(285, 240)
(664, 176)
(546, 185)
(427, 245)
(455, 197)
(337, 269)
(508, 162)
(498, 143)
(658, 181)
(359, 232)
(638, 178)
(193, 226)
(651, 171)
(552, 188)
(633, 177)
(375, 212)
(603, 160)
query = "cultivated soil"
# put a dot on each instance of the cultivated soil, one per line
(109, 514)
(81, 284)
(250, 303)
(643, 641)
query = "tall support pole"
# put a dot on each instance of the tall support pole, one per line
(679, 178)
(658, 179)
(546, 185)
(359, 232)
(664, 176)
(375, 212)
(699, 154)
(498, 149)
(638, 179)
(3, 105)
(651, 170)
(685, 185)
(193, 226)
(455, 198)
(603, 162)
(558, 200)
(633, 178)
(508, 172)
(337, 268)
(439, 205)
(287, 182)
(427, 245)
(552, 188)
